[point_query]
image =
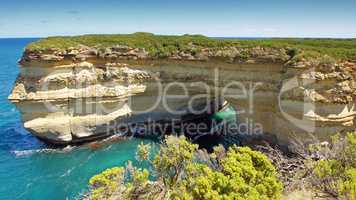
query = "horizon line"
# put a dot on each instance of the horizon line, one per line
(217, 37)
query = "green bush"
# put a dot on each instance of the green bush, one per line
(106, 183)
(292, 52)
(326, 60)
(335, 172)
(245, 174)
(183, 172)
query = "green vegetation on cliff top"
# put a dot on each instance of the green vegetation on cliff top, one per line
(338, 48)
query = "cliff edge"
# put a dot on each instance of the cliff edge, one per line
(107, 70)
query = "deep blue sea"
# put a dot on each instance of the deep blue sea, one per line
(31, 170)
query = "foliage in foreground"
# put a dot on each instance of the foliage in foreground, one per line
(182, 171)
(335, 171)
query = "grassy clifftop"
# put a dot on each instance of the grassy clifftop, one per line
(344, 49)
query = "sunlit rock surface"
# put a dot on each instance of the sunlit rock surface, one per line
(71, 95)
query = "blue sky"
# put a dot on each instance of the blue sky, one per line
(228, 18)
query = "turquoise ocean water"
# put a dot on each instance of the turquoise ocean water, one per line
(31, 170)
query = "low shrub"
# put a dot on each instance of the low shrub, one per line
(106, 183)
(335, 171)
(181, 171)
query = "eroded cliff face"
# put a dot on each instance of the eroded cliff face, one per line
(72, 95)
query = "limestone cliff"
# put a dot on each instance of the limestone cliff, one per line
(291, 95)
